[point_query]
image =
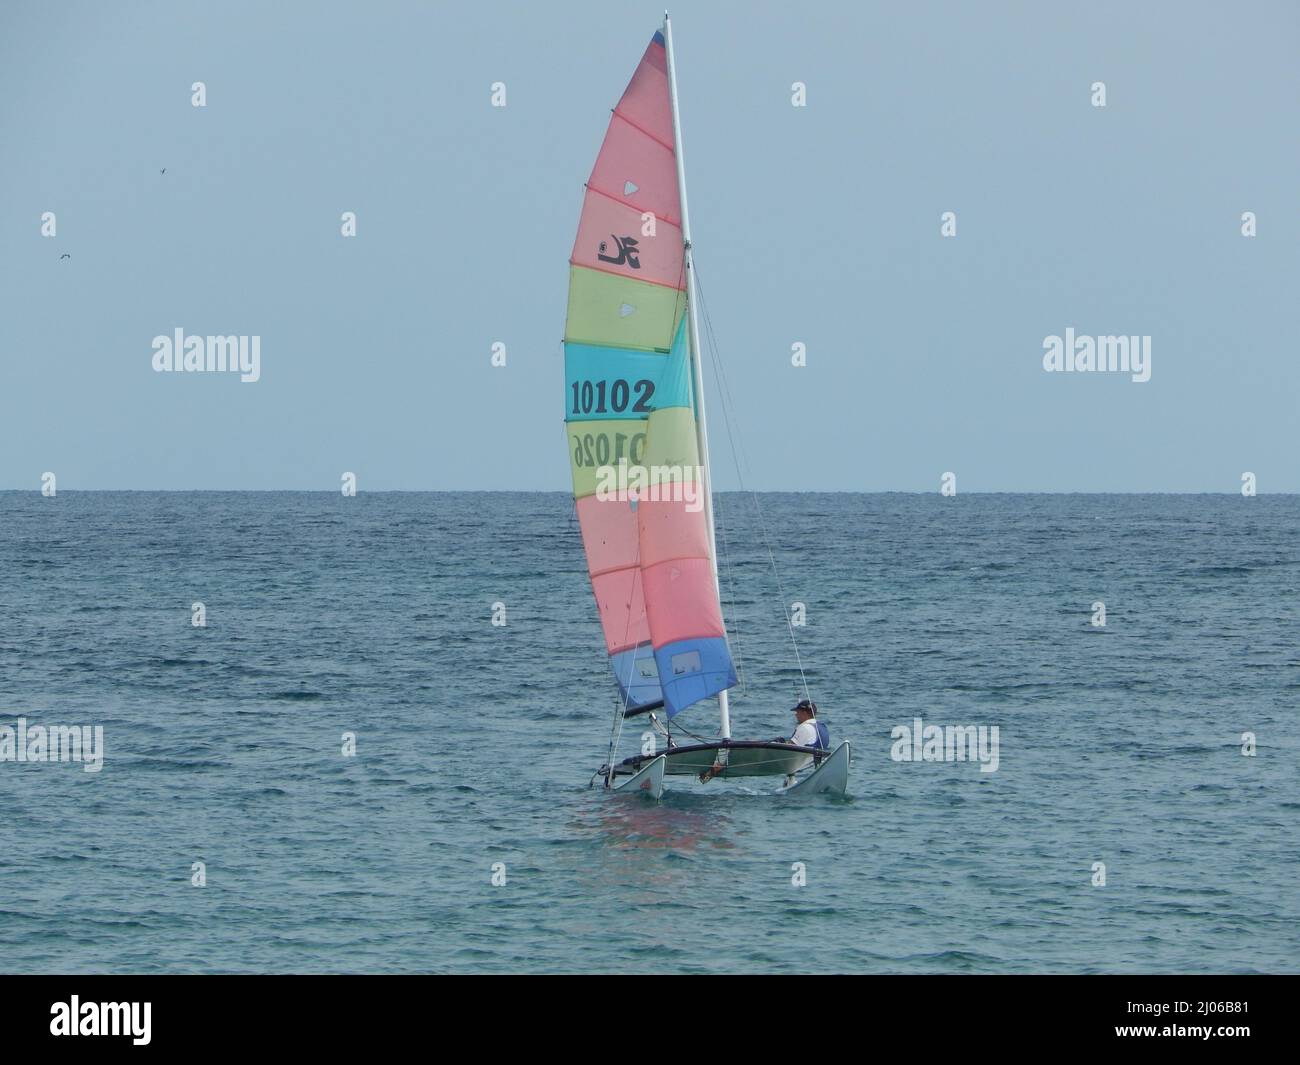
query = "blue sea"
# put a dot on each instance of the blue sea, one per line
(1120, 744)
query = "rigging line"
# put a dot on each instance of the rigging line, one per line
(720, 521)
(725, 391)
(616, 729)
(735, 619)
(683, 728)
(731, 593)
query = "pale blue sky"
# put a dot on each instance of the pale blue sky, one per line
(818, 225)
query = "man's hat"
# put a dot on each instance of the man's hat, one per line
(805, 704)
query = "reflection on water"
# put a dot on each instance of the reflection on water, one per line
(650, 846)
(678, 822)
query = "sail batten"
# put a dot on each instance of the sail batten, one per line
(630, 416)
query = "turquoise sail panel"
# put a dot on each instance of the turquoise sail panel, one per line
(675, 384)
(620, 383)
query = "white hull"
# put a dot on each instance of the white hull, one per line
(829, 778)
(648, 780)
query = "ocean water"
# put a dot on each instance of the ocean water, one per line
(475, 743)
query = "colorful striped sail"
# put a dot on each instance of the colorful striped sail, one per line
(630, 413)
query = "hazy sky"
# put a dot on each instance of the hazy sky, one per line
(818, 225)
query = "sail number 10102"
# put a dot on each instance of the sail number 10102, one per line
(604, 397)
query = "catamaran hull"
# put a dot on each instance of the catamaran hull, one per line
(829, 778)
(648, 780)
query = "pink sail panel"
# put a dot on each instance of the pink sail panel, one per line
(637, 170)
(635, 176)
(647, 101)
(621, 602)
(609, 535)
(669, 530)
(613, 237)
(682, 601)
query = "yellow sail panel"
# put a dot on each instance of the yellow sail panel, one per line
(622, 312)
(596, 445)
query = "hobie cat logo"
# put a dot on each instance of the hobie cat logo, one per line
(1071, 354)
(181, 354)
(102, 1018)
(627, 252)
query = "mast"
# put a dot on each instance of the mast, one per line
(701, 427)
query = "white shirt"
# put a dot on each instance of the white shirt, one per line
(805, 734)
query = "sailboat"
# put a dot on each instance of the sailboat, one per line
(638, 446)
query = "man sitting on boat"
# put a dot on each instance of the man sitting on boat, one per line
(808, 732)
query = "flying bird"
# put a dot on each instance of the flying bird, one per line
(163, 170)
(65, 255)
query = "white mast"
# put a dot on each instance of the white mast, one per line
(701, 426)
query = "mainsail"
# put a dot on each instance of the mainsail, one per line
(631, 413)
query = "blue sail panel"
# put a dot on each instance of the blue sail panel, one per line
(691, 670)
(637, 673)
